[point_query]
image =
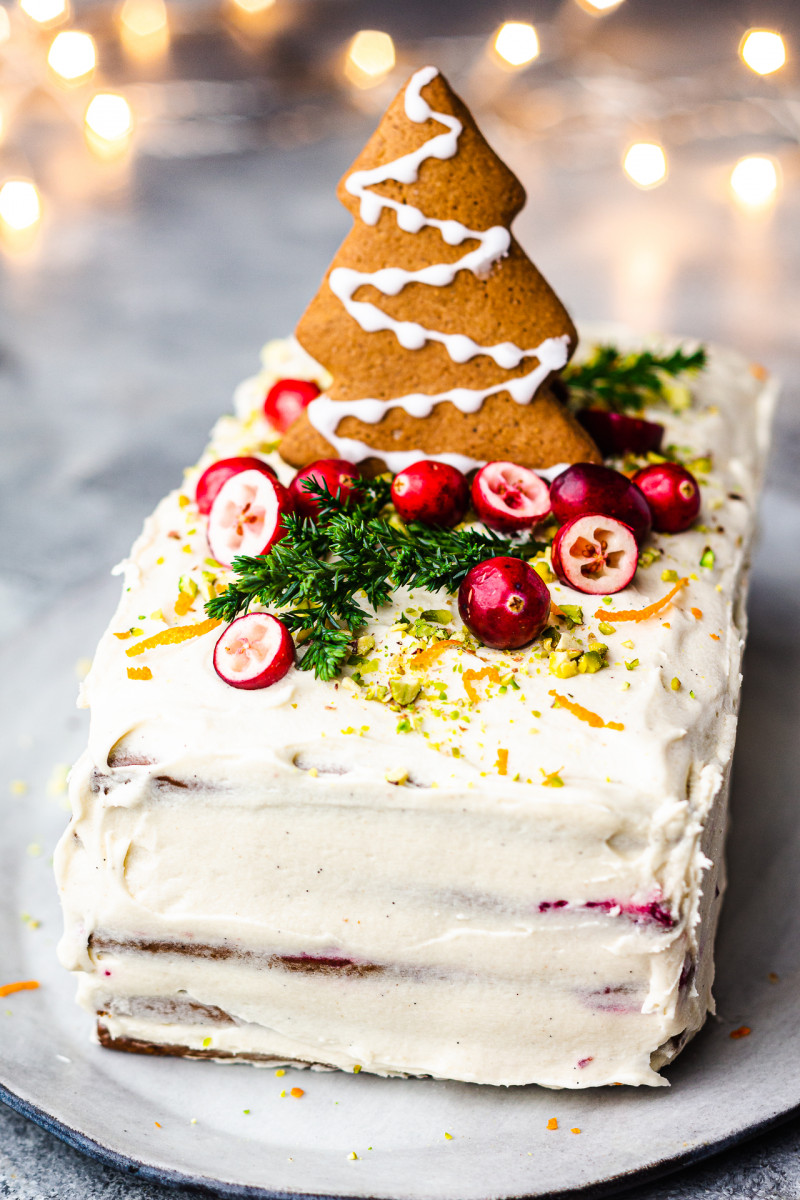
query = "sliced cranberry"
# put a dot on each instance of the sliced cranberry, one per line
(254, 651)
(615, 433)
(220, 472)
(431, 492)
(286, 400)
(672, 493)
(341, 479)
(590, 488)
(595, 553)
(247, 516)
(504, 602)
(508, 497)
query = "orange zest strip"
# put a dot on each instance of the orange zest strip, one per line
(638, 614)
(470, 677)
(584, 714)
(502, 761)
(139, 673)
(178, 633)
(555, 611)
(26, 985)
(425, 657)
(124, 635)
(714, 636)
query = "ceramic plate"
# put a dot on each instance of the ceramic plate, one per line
(228, 1127)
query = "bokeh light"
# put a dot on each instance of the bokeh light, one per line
(763, 50)
(45, 12)
(598, 8)
(370, 57)
(517, 43)
(755, 180)
(20, 206)
(72, 55)
(109, 117)
(645, 164)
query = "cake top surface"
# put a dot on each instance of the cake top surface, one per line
(424, 714)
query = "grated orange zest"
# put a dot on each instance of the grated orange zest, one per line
(641, 614)
(425, 657)
(585, 714)
(471, 676)
(742, 1031)
(697, 613)
(25, 985)
(139, 673)
(297, 1092)
(183, 604)
(502, 761)
(126, 633)
(714, 636)
(177, 633)
(552, 1123)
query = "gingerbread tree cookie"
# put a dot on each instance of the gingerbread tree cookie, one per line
(441, 335)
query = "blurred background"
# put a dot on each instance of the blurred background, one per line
(167, 174)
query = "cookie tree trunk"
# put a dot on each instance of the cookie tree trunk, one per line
(494, 303)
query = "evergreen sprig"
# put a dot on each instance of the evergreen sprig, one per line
(621, 382)
(313, 576)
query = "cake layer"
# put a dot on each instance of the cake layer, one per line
(517, 875)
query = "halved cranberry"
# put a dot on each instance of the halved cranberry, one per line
(247, 516)
(504, 602)
(590, 488)
(595, 553)
(286, 400)
(507, 496)
(672, 493)
(340, 477)
(616, 433)
(220, 472)
(431, 492)
(254, 651)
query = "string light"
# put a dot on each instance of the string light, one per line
(645, 164)
(517, 43)
(109, 117)
(755, 180)
(45, 12)
(370, 58)
(144, 28)
(253, 7)
(72, 55)
(20, 206)
(763, 51)
(598, 8)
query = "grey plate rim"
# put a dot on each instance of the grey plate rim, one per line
(129, 1165)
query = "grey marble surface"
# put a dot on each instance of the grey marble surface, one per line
(122, 339)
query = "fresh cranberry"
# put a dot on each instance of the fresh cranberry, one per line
(589, 488)
(341, 479)
(431, 492)
(672, 493)
(615, 433)
(286, 400)
(247, 516)
(220, 472)
(595, 554)
(509, 497)
(504, 602)
(254, 651)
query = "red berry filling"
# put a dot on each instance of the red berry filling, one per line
(509, 497)
(595, 554)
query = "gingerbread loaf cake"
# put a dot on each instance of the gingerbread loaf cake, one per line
(435, 840)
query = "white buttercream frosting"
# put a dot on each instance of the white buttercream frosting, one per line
(518, 932)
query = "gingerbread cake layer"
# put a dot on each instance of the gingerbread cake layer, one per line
(487, 886)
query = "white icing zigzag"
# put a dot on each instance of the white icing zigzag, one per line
(324, 413)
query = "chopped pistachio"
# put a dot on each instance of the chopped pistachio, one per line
(628, 644)
(590, 663)
(605, 628)
(364, 645)
(631, 664)
(404, 692)
(707, 558)
(553, 779)
(669, 576)
(396, 775)
(626, 685)
(550, 637)
(649, 555)
(573, 613)
(675, 684)
(563, 664)
(677, 395)
(543, 570)
(440, 615)
(701, 466)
